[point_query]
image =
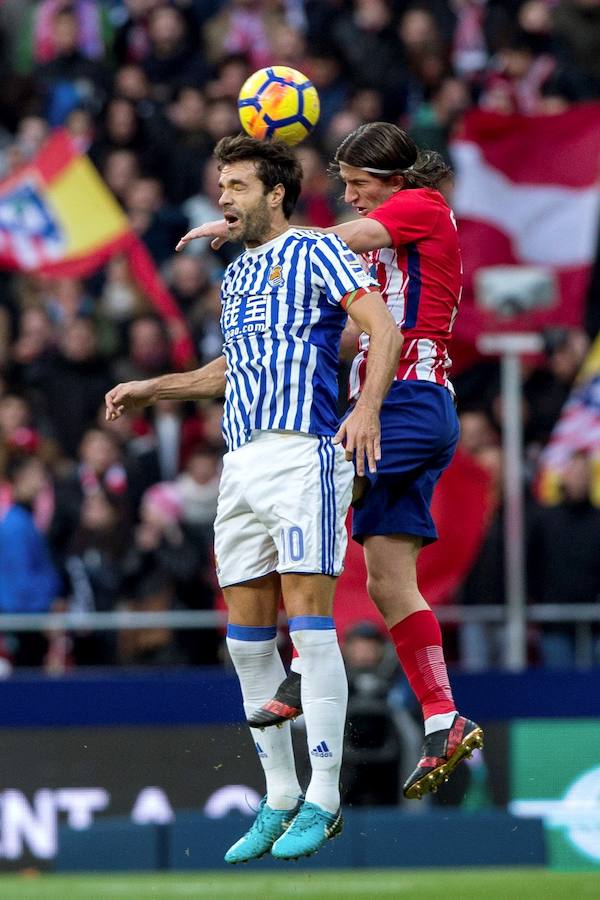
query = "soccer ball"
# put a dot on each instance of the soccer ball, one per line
(278, 102)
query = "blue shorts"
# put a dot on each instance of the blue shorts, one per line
(419, 433)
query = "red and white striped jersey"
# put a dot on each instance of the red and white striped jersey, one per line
(420, 278)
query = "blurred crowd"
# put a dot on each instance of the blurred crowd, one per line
(109, 517)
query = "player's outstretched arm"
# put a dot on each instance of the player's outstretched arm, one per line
(216, 230)
(203, 383)
(362, 234)
(361, 430)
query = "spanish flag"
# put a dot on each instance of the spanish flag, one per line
(57, 217)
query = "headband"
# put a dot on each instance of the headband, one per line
(385, 171)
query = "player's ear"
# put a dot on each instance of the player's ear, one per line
(397, 182)
(277, 195)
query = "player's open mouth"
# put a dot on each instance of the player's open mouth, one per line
(361, 210)
(231, 219)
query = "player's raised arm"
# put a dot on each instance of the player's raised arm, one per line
(362, 235)
(361, 429)
(203, 383)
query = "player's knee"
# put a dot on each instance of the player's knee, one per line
(391, 597)
(379, 588)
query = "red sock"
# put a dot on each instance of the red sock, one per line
(418, 641)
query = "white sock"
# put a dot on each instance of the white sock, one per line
(324, 702)
(436, 723)
(296, 665)
(260, 671)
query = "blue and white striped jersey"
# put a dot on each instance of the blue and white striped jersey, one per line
(282, 320)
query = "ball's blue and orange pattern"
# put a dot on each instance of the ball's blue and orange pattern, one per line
(278, 102)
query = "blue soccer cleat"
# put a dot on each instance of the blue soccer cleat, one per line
(308, 832)
(269, 825)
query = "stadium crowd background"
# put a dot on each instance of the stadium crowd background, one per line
(146, 88)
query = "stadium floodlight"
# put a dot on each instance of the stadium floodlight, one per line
(511, 291)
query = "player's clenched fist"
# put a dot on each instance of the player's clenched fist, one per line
(130, 395)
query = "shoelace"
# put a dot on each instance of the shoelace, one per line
(259, 825)
(305, 819)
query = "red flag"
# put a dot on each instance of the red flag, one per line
(527, 192)
(462, 508)
(58, 218)
(466, 487)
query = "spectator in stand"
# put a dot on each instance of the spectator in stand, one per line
(121, 300)
(365, 36)
(433, 121)
(477, 431)
(148, 352)
(69, 78)
(426, 55)
(139, 452)
(38, 40)
(372, 745)
(341, 124)
(190, 141)
(547, 388)
(563, 559)
(198, 487)
(221, 119)
(577, 31)
(16, 433)
(100, 466)
(289, 47)
(123, 128)
(65, 300)
(119, 170)
(212, 416)
(188, 280)
(31, 133)
(132, 41)
(81, 127)
(164, 570)
(243, 27)
(30, 582)
(326, 71)
(317, 205)
(157, 222)
(131, 83)
(94, 571)
(205, 323)
(516, 82)
(173, 59)
(232, 72)
(72, 382)
(171, 430)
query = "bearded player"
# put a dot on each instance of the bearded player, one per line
(407, 234)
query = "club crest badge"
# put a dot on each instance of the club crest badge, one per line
(275, 277)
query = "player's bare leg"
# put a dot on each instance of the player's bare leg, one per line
(309, 605)
(392, 584)
(251, 641)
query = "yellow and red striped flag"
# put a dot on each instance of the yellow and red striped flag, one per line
(58, 218)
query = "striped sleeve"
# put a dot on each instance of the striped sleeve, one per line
(337, 271)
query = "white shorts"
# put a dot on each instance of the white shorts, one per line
(282, 507)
